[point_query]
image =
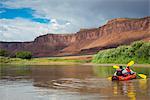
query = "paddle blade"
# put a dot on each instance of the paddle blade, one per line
(130, 63)
(109, 78)
(116, 67)
(142, 76)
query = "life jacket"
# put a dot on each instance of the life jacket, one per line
(128, 70)
(119, 72)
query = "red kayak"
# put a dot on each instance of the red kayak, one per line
(124, 78)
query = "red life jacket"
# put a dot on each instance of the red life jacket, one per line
(128, 70)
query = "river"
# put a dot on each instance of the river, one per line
(74, 82)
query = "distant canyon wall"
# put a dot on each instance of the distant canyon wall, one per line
(116, 32)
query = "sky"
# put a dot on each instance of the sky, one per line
(24, 20)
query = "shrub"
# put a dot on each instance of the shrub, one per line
(143, 51)
(24, 54)
(136, 45)
(3, 52)
(137, 51)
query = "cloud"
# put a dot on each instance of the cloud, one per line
(78, 13)
(71, 15)
(25, 30)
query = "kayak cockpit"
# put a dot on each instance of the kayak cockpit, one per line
(124, 78)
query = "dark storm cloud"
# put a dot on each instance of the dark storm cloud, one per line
(129, 8)
(116, 8)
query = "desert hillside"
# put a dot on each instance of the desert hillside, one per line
(116, 32)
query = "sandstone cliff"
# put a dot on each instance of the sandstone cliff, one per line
(87, 41)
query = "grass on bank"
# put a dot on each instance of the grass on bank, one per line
(137, 51)
(44, 61)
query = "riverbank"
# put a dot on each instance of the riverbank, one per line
(68, 60)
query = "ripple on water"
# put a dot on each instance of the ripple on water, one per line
(73, 84)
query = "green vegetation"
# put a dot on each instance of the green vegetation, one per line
(3, 52)
(40, 61)
(65, 60)
(25, 58)
(137, 51)
(24, 55)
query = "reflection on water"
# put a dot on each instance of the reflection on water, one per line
(69, 82)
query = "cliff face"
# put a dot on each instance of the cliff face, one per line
(87, 41)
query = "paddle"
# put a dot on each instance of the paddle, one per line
(116, 67)
(109, 78)
(142, 76)
(129, 64)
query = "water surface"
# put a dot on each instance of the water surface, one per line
(69, 83)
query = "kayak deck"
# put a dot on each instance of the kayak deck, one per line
(124, 78)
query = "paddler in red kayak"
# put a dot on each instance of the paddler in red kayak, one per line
(123, 74)
(119, 71)
(128, 71)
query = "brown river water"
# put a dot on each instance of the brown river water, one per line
(74, 82)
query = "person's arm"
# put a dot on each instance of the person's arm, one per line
(115, 74)
(132, 72)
